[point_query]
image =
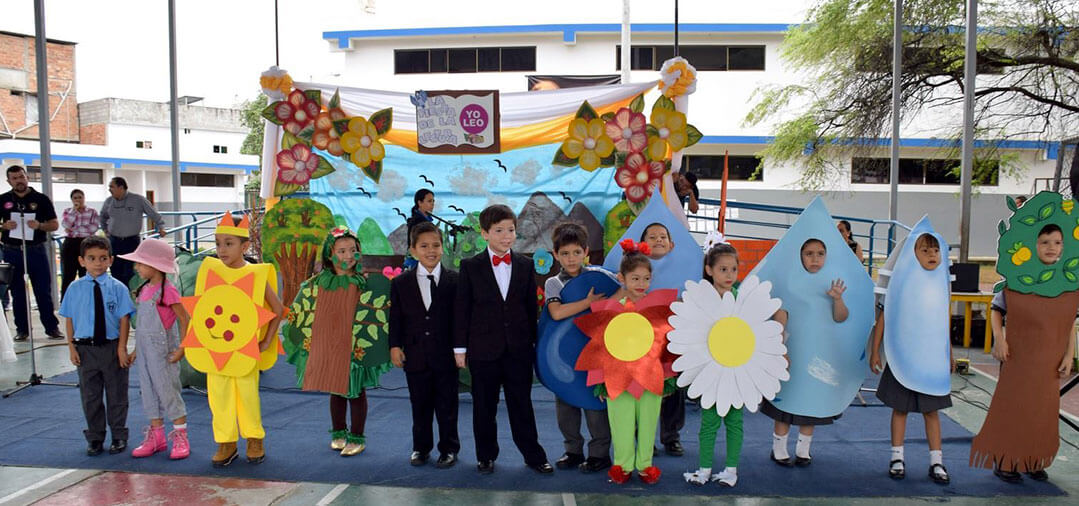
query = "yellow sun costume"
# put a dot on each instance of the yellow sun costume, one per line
(229, 314)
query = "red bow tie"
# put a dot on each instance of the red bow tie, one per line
(495, 260)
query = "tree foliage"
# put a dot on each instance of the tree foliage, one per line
(1028, 83)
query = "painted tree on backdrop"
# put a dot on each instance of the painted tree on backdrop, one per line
(292, 233)
(1028, 80)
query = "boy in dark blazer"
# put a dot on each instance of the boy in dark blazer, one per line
(421, 341)
(495, 327)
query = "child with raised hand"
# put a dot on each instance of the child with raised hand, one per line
(161, 320)
(903, 400)
(813, 254)
(571, 247)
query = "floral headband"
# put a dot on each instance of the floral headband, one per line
(629, 246)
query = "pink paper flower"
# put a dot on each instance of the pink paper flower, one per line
(391, 272)
(297, 112)
(296, 165)
(638, 175)
(627, 130)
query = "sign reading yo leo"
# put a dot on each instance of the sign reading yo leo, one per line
(457, 122)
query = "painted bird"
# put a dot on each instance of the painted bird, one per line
(428, 181)
(455, 208)
(400, 213)
(563, 194)
(365, 192)
(500, 165)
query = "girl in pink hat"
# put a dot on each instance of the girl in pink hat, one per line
(161, 320)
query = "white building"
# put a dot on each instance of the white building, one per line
(405, 46)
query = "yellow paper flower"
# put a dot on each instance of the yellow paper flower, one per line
(361, 141)
(588, 142)
(670, 132)
(678, 78)
(275, 83)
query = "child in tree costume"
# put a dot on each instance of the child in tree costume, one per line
(333, 353)
(1039, 259)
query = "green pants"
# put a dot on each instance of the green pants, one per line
(710, 422)
(633, 421)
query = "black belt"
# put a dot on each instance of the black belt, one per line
(89, 341)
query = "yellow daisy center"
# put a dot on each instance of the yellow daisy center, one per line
(731, 341)
(628, 337)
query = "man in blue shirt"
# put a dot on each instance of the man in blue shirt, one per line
(97, 309)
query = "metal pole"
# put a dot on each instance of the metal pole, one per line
(626, 63)
(897, 73)
(967, 168)
(676, 27)
(276, 38)
(174, 117)
(44, 137)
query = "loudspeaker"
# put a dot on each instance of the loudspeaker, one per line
(966, 277)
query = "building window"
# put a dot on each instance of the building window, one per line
(221, 149)
(210, 180)
(31, 108)
(925, 171)
(703, 57)
(144, 145)
(739, 168)
(464, 60)
(187, 130)
(67, 175)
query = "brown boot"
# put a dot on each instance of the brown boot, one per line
(255, 453)
(226, 453)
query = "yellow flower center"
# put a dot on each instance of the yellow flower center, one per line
(731, 341)
(628, 337)
(589, 143)
(664, 132)
(365, 141)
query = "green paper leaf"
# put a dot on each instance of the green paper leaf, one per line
(1045, 211)
(315, 95)
(607, 116)
(620, 158)
(379, 301)
(307, 133)
(361, 314)
(268, 113)
(1027, 220)
(382, 121)
(637, 105)
(335, 100)
(373, 170)
(651, 131)
(1026, 279)
(1011, 203)
(373, 332)
(288, 140)
(562, 160)
(586, 112)
(999, 286)
(341, 126)
(281, 189)
(363, 343)
(1070, 276)
(1046, 275)
(663, 103)
(380, 316)
(323, 168)
(1001, 227)
(365, 297)
(356, 329)
(693, 135)
(1071, 264)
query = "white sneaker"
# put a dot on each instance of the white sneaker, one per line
(726, 477)
(698, 477)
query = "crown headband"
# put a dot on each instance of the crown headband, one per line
(228, 226)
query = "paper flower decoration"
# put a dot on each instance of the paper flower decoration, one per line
(731, 351)
(275, 83)
(626, 130)
(626, 347)
(325, 136)
(361, 141)
(586, 144)
(297, 112)
(669, 127)
(637, 175)
(296, 164)
(391, 272)
(543, 261)
(677, 78)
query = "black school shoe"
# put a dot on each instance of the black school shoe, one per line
(674, 449)
(803, 461)
(418, 459)
(446, 460)
(118, 446)
(95, 448)
(1039, 475)
(486, 466)
(569, 460)
(897, 473)
(594, 465)
(1008, 476)
(941, 477)
(541, 468)
(783, 462)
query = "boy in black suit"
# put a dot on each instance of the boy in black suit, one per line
(495, 324)
(421, 341)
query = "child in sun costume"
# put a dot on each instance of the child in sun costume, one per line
(233, 335)
(1036, 305)
(627, 357)
(328, 348)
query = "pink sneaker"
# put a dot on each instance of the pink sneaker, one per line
(180, 447)
(154, 442)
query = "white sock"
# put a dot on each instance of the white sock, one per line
(936, 457)
(728, 476)
(897, 454)
(779, 446)
(699, 477)
(179, 426)
(801, 448)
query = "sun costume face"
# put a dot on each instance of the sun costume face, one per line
(731, 350)
(627, 344)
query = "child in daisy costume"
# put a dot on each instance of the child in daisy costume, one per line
(626, 358)
(731, 348)
(331, 352)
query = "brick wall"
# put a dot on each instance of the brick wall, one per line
(750, 253)
(93, 134)
(17, 63)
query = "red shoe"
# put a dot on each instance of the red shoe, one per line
(153, 442)
(650, 475)
(617, 475)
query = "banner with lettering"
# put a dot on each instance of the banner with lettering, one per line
(457, 122)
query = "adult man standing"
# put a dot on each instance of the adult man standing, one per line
(121, 219)
(28, 216)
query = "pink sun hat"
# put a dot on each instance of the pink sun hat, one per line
(155, 253)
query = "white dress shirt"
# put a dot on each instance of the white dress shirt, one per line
(502, 273)
(425, 284)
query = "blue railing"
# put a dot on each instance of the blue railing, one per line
(187, 235)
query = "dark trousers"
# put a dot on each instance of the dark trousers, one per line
(513, 375)
(672, 416)
(338, 406)
(123, 269)
(599, 428)
(38, 260)
(100, 373)
(69, 263)
(433, 394)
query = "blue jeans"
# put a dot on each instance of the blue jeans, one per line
(40, 280)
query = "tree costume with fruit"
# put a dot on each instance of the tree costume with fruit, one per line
(1021, 431)
(332, 353)
(229, 313)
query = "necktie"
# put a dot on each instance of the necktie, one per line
(495, 260)
(431, 291)
(99, 315)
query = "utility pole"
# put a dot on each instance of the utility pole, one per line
(970, 64)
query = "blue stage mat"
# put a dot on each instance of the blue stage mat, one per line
(42, 426)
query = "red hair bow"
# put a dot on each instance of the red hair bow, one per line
(629, 246)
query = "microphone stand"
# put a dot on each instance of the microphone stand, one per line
(35, 378)
(454, 228)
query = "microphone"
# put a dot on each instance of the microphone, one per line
(453, 226)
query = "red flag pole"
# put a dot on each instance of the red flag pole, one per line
(723, 194)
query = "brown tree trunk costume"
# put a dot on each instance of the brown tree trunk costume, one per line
(331, 341)
(1021, 431)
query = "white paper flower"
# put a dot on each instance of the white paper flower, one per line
(731, 350)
